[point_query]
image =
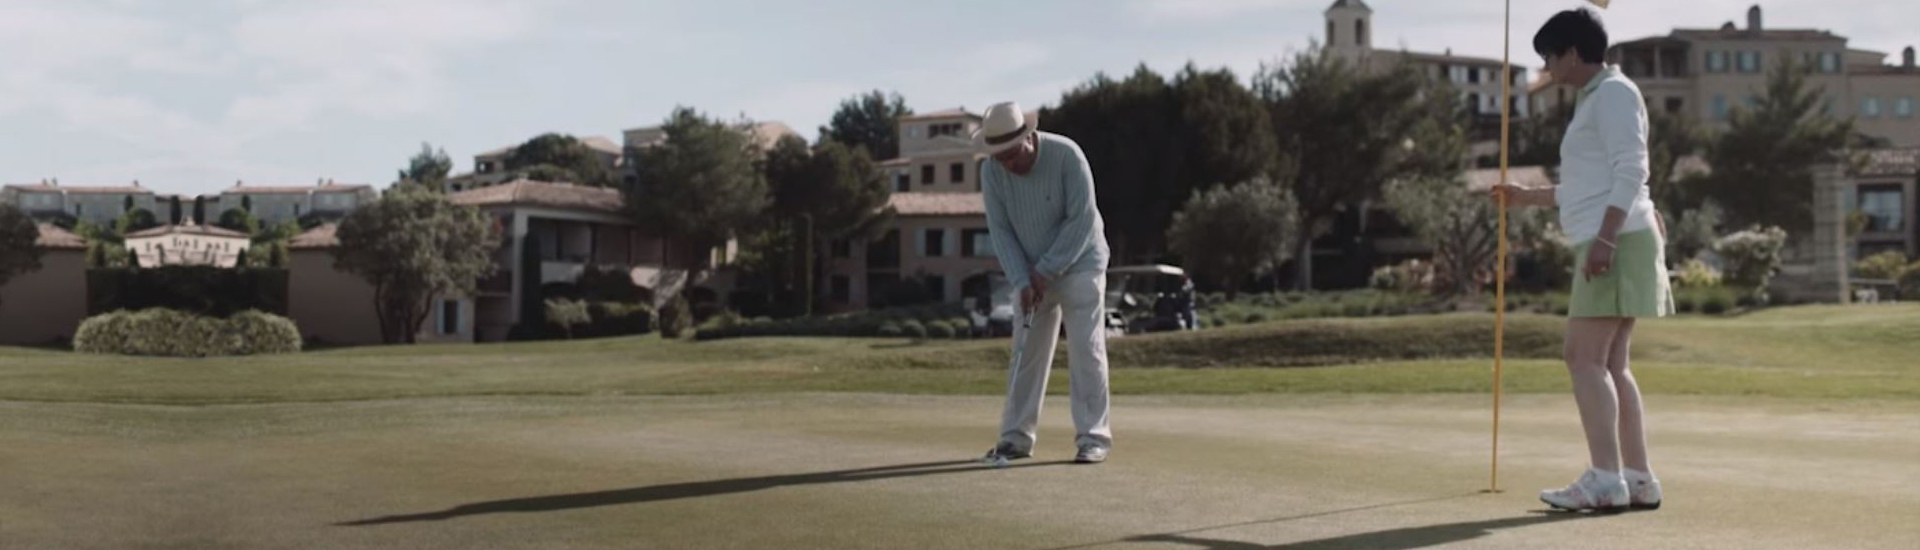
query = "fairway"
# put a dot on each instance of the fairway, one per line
(1790, 428)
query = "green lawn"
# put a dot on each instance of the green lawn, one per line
(1810, 351)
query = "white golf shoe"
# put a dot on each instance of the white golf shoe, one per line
(1596, 490)
(1643, 488)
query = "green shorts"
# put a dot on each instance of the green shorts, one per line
(1635, 287)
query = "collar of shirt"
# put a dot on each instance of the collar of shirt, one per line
(1606, 72)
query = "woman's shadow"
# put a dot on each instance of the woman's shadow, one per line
(1391, 539)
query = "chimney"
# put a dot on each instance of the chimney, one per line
(1906, 58)
(236, 183)
(1753, 18)
(136, 183)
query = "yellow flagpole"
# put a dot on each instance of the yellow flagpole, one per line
(1500, 271)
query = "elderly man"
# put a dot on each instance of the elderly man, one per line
(1050, 241)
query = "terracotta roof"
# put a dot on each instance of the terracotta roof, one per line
(955, 112)
(524, 192)
(938, 204)
(81, 189)
(190, 229)
(1763, 34)
(292, 189)
(323, 236)
(1524, 176)
(1891, 162)
(52, 236)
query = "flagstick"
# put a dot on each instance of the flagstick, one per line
(1500, 272)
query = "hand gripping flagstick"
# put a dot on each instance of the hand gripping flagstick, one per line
(1500, 273)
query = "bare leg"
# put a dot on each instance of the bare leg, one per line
(1633, 433)
(1589, 342)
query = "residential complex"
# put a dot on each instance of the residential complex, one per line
(95, 204)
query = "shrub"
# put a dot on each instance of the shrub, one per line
(1889, 265)
(1910, 282)
(1409, 276)
(169, 333)
(1717, 301)
(619, 319)
(676, 318)
(940, 329)
(1752, 256)
(201, 290)
(914, 329)
(892, 329)
(1697, 274)
(723, 320)
(567, 314)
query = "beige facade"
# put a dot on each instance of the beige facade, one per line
(936, 154)
(188, 244)
(1349, 37)
(45, 306)
(1708, 73)
(336, 308)
(940, 239)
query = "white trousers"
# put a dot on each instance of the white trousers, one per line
(1079, 299)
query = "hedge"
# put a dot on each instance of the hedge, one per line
(170, 333)
(202, 290)
(914, 321)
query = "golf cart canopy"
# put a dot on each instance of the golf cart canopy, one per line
(1147, 270)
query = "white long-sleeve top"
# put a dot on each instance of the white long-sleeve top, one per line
(1603, 159)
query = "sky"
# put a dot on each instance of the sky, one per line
(190, 96)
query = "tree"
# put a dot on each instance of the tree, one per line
(19, 246)
(239, 219)
(869, 121)
(700, 187)
(429, 168)
(831, 191)
(1671, 137)
(1349, 133)
(1462, 227)
(1151, 143)
(1228, 234)
(174, 211)
(563, 152)
(137, 219)
(413, 246)
(1762, 164)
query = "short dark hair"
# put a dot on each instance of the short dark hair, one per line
(1577, 29)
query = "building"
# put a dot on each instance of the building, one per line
(1349, 38)
(1883, 189)
(188, 244)
(936, 154)
(273, 204)
(490, 168)
(95, 204)
(1706, 73)
(938, 240)
(45, 306)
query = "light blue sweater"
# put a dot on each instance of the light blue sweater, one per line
(1048, 219)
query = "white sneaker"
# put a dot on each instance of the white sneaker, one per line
(1596, 490)
(1643, 488)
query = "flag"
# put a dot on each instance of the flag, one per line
(1601, 3)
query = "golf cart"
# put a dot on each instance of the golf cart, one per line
(1149, 298)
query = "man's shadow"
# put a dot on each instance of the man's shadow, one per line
(1391, 539)
(697, 489)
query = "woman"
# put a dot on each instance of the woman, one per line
(1620, 267)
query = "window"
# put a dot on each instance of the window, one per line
(958, 172)
(1830, 62)
(1473, 102)
(1716, 61)
(1360, 32)
(1903, 107)
(842, 289)
(937, 287)
(1473, 75)
(1459, 74)
(1330, 31)
(1719, 107)
(449, 317)
(842, 248)
(1750, 61)
(934, 243)
(902, 182)
(484, 168)
(1675, 105)
(1870, 107)
(1882, 204)
(976, 243)
(926, 174)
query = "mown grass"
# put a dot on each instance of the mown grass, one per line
(1813, 351)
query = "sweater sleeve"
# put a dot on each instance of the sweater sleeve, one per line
(1623, 131)
(1006, 245)
(1081, 224)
